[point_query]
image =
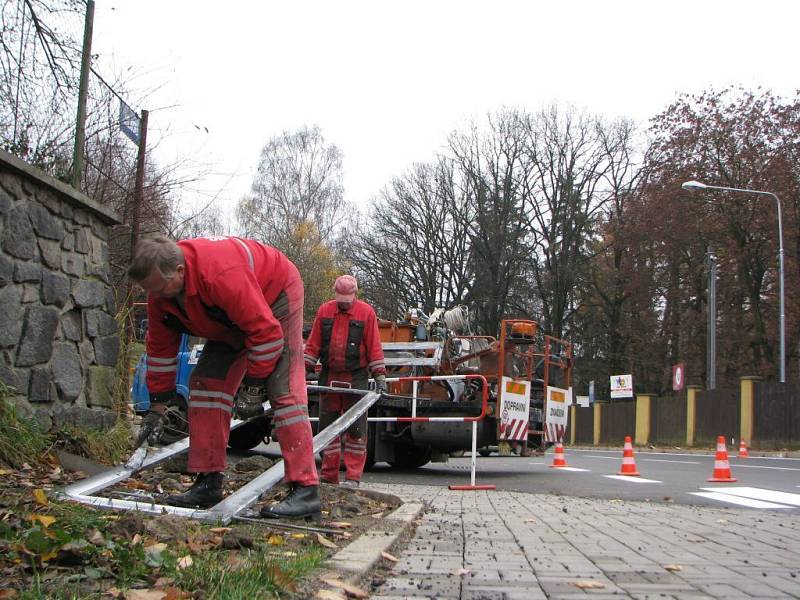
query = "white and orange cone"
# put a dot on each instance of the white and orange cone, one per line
(722, 468)
(743, 453)
(558, 457)
(628, 462)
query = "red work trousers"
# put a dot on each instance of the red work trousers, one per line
(355, 438)
(216, 379)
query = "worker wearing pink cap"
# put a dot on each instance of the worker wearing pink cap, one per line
(345, 341)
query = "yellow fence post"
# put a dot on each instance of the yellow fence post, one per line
(691, 412)
(642, 419)
(596, 431)
(746, 396)
(573, 419)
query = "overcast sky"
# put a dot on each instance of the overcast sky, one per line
(387, 81)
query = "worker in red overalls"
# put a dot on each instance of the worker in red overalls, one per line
(246, 299)
(345, 340)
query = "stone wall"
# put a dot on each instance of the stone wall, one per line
(58, 335)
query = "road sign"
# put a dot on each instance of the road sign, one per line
(678, 377)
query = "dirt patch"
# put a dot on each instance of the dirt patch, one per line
(65, 546)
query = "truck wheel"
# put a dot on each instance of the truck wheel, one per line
(249, 435)
(410, 457)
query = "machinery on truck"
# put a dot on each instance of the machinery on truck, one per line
(528, 373)
(529, 377)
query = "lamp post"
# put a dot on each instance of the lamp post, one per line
(696, 185)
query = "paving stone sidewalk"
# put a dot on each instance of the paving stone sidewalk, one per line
(495, 545)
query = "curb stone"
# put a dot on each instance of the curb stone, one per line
(362, 554)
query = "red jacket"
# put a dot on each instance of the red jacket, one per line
(230, 285)
(345, 341)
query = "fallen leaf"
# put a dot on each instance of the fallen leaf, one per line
(40, 497)
(6, 472)
(722, 521)
(340, 524)
(298, 536)
(350, 590)
(113, 592)
(96, 538)
(275, 540)
(174, 593)
(163, 582)
(530, 520)
(184, 562)
(329, 595)
(389, 557)
(45, 520)
(673, 568)
(145, 595)
(325, 541)
(461, 572)
(588, 585)
(220, 529)
(137, 539)
(6, 594)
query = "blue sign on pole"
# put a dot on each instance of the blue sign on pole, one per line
(129, 122)
(591, 392)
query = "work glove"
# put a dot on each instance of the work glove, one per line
(151, 429)
(250, 398)
(380, 384)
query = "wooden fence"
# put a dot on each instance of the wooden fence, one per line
(765, 414)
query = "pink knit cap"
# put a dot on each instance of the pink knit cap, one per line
(345, 287)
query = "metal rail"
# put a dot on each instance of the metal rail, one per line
(223, 512)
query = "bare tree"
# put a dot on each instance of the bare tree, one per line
(299, 179)
(413, 250)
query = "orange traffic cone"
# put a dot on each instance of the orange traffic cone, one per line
(628, 462)
(722, 468)
(743, 453)
(558, 458)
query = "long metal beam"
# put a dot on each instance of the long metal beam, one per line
(223, 512)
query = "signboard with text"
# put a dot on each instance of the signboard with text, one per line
(515, 398)
(621, 386)
(556, 413)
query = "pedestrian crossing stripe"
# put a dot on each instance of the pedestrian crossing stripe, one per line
(739, 500)
(760, 494)
(632, 479)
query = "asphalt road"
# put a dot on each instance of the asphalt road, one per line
(763, 483)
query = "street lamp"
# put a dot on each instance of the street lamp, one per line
(696, 185)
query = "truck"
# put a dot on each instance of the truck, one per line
(528, 375)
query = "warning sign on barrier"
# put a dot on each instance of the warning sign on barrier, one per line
(557, 413)
(515, 401)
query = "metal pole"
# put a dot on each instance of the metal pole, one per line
(474, 452)
(692, 185)
(83, 86)
(711, 361)
(780, 267)
(136, 209)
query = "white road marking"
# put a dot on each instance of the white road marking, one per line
(598, 456)
(571, 449)
(535, 463)
(634, 479)
(729, 499)
(568, 469)
(740, 466)
(760, 494)
(683, 462)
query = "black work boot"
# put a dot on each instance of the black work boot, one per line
(302, 502)
(206, 491)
